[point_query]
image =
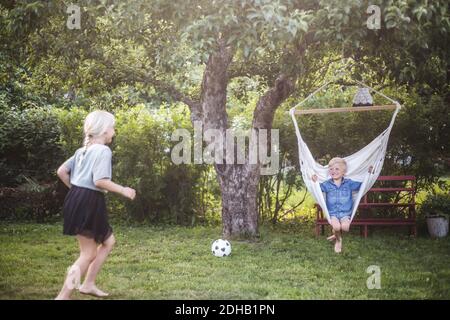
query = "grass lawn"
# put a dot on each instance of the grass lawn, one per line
(175, 263)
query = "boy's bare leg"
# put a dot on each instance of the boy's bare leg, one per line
(345, 224)
(338, 245)
(337, 233)
(336, 227)
(345, 227)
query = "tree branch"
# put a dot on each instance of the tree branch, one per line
(270, 101)
(285, 213)
(284, 86)
(194, 106)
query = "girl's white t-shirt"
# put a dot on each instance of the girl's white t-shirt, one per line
(94, 165)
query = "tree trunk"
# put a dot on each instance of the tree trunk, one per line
(239, 188)
(238, 182)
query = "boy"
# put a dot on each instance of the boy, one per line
(339, 199)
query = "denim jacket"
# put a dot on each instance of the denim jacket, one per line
(339, 199)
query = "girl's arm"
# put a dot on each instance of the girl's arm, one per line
(107, 184)
(64, 174)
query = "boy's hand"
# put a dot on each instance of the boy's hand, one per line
(314, 178)
(129, 193)
(371, 169)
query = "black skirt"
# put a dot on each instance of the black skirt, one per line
(85, 214)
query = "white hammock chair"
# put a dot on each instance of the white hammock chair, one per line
(357, 164)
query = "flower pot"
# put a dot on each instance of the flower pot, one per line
(437, 226)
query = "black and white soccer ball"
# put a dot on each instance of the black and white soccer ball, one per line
(221, 248)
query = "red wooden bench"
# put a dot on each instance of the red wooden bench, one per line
(404, 202)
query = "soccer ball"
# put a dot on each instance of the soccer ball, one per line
(221, 248)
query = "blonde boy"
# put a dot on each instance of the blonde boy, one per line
(339, 199)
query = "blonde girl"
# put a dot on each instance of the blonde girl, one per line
(88, 174)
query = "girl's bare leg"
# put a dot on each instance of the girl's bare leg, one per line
(88, 249)
(103, 251)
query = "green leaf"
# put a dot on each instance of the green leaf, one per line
(252, 16)
(303, 25)
(391, 24)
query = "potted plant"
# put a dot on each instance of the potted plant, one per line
(436, 209)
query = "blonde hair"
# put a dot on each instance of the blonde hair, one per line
(96, 124)
(339, 161)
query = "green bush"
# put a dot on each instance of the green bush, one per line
(182, 194)
(29, 145)
(437, 205)
(71, 129)
(35, 141)
(165, 192)
(31, 201)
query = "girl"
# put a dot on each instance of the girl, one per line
(88, 175)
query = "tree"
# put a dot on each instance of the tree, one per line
(151, 44)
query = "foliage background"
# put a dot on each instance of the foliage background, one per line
(51, 77)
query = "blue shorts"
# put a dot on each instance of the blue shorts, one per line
(341, 215)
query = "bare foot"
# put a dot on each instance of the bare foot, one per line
(62, 298)
(93, 291)
(338, 246)
(331, 238)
